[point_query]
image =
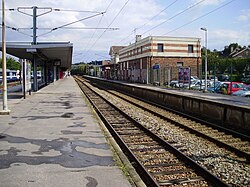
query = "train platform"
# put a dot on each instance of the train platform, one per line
(52, 138)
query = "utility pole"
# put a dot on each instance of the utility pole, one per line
(5, 110)
(34, 15)
(34, 64)
(204, 29)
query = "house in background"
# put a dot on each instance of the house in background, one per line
(241, 53)
(109, 69)
(114, 53)
(158, 58)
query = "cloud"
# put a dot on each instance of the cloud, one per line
(223, 37)
(245, 16)
(136, 14)
(208, 2)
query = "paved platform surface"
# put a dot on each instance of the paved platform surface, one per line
(220, 98)
(214, 97)
(51, 138)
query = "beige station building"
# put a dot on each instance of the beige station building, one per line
(157, 59)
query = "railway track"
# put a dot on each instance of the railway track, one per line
(158, 162)
(217, 159)
(231, 140)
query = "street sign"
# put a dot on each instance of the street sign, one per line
(156, 66)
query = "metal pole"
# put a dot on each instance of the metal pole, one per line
(34, 24)
(231, 77)
(35, 85)
(206, 63)
(214, 73)
(204, 29)
(5, 104)
(168, 76)
(24, 78)
(147, 71)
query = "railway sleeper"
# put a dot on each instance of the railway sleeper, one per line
(171, 172)
(193, 182)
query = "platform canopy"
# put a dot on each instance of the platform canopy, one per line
(60, 52)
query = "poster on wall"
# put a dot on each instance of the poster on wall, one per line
(184, 75)
(26, 76)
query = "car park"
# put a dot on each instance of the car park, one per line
(174, 84)
(193, 78)
(223, 78)
(212, 78)
(199, 85)
(246, 79)
(226, 87)
(214, 86)
(245, 92)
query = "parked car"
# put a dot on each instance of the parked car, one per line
(214, 86)
(199, 85)
(245, 92)
(174, 84)
(223, 78)
(246, 79)
(212, 78)
(193, 78)
(225, 88)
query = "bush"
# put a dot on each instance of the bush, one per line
(236, 78)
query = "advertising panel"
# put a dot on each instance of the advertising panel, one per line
(184, 75)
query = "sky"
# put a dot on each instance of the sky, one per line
(119, 21)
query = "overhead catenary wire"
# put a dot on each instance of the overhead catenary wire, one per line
(71, 23)
(71, 10)
(108, 25)
(200, 17)
(55, 28)
(90, 38)
(18, 30)
(132, 32)
(157, 14)
(178, 14)
(76, 28)
(99, 22)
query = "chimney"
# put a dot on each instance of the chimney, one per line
(232, 49)
(137, 38)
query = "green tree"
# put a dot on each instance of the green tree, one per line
(228, 49)
(79, 69)
(223, 64)
(212, 60)
(240, 65)
(11, 64)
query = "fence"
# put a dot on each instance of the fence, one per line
(164, 75)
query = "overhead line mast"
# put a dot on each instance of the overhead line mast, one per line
(5, 110)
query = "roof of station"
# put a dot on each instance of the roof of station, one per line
(45, 51)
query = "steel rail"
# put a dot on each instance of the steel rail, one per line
(226, 130)
(216, 127)
(201, 170)
(217, 142)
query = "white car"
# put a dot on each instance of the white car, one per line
(245, 92)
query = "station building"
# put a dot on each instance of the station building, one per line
(52, 59)
(157, 58)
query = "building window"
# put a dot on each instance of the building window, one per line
(179, 64)
(159, 47)
(190, 48)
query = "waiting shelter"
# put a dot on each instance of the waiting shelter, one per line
(52, 59)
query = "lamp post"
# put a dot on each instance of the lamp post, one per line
(204, 29)
(5, 106)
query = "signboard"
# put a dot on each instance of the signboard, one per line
(156, 66)
(26, 76)
(184, 75)
(57, 62)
